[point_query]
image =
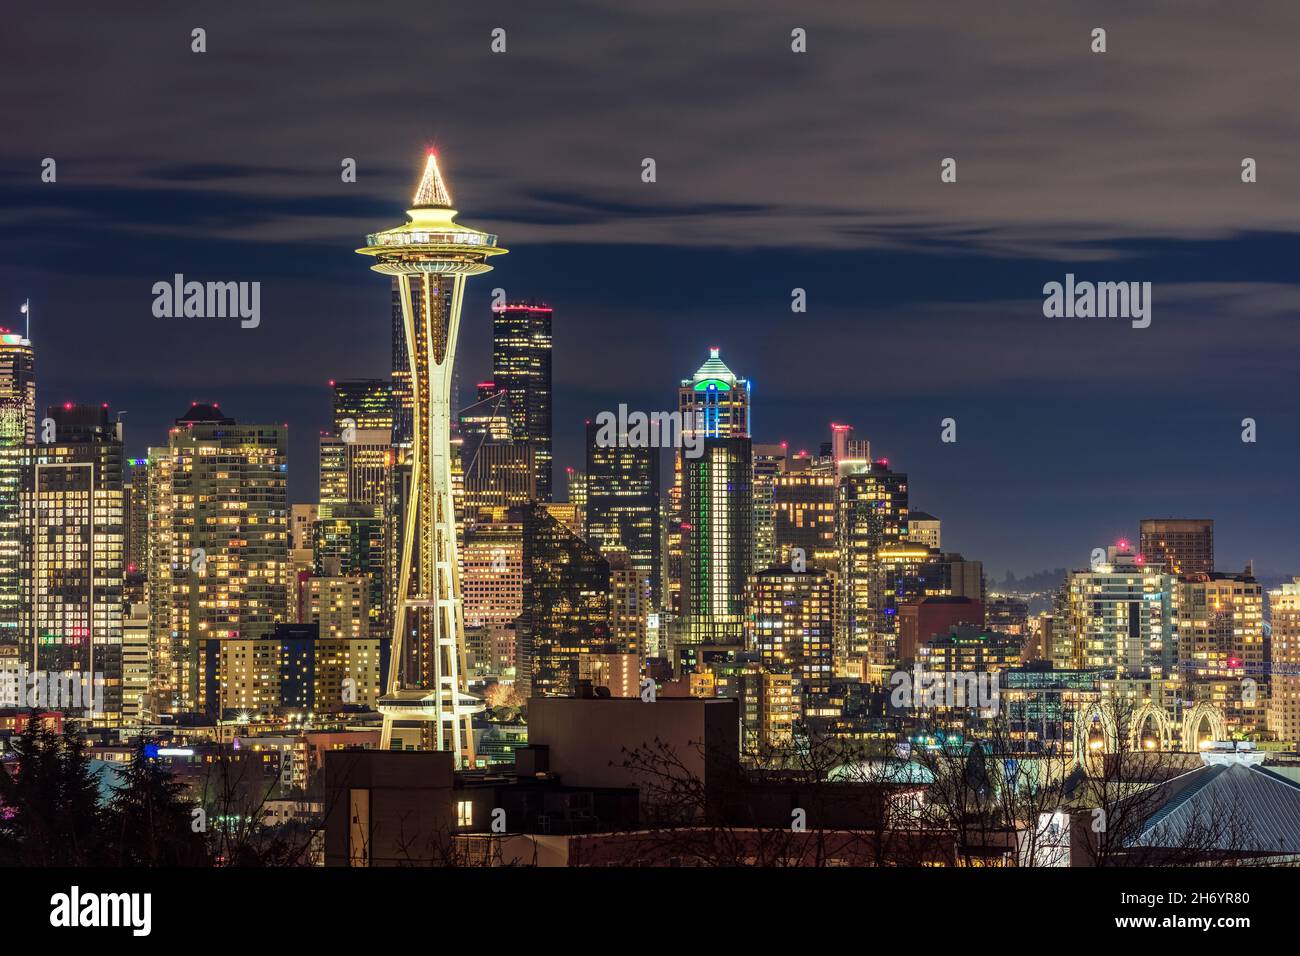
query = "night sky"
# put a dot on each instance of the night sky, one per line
(775, 170)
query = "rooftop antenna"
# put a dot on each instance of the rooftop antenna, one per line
(27, 311)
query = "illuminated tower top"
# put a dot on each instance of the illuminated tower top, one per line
(432, 192)
(432, 241)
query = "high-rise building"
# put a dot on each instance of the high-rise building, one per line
(135, 505)
(493, 580)
(355, 465)
(769, 464)
(430, 258)
(338, 606)
(622, 503)
(1221, 646)
(363, 404)
(804, 517)
(713, 403)
(871, 537)
(1181, 545)
(566, 603)
(924, 529)
(498, 474)
(349, 541)
(219, 544)
(136, 667)
(630, 601)
(791, 623)
(74, 557)
(1284, 662)
(521, 365)
(17, 429)
(1122, 618)
(717, 540)
(488, 419)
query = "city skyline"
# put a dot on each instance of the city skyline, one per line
(894, 262)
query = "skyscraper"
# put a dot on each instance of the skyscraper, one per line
(1182, 545)
(17, 428)
(871, 533)
(430, 257)
(219, 543)
(714, 403)
(791, 623)
(1221, 647)
(1284, 662)
(363, 403)
(566, 603)
(1123, 618)
(622, 503)
(717, 541)
(803, 505)
(521, 365)
(74, 559)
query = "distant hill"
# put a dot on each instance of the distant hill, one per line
(1038, 581)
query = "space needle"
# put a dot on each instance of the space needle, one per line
(426, 706)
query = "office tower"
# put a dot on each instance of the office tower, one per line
(631, 598)
(1123, 618)
(493, 579)
(566, 603)
(1284, 662)
(1221, 647)
(136, 667)
(363, 404)
(923, 529)
(488, 419)
(791, 623)
(349, 541)
(339, 606)
(521, 365)
(219, 544)
(571, 516)
(576, 488)
(804, 517)
(713, 403)
(622, 503)
(1181, 545)
(871, 537)
(717, 540)
(74, 558)
(17, 429)
(135, 505)
(354, 466)
(430, 258)
(498, 475)
(769, 463)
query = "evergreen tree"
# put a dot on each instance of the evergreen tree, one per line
(149, 821)
(49, 801)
